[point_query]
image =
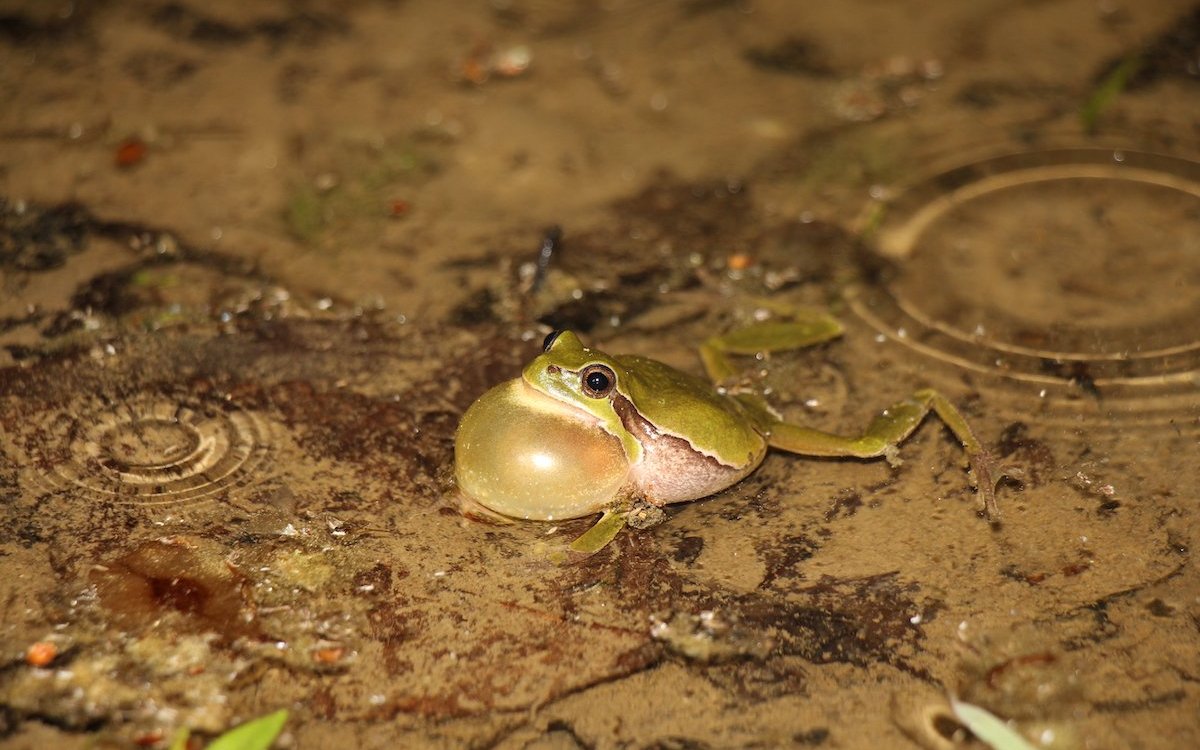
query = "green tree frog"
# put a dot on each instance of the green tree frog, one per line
(583, 432)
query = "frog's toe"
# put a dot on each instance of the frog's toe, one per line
(985, 475)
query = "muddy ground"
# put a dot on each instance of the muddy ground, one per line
(256, 260)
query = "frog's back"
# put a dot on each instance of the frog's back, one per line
(689, 407)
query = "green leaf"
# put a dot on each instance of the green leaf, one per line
(1107, 92)
(257, 734)
(987, 727)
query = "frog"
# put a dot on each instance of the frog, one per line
(582, 432)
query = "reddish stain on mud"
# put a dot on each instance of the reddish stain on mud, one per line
(188, 577)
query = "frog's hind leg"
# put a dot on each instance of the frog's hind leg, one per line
(890, 428)
(602, 532)
(807, 328)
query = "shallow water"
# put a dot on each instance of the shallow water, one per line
(255, 263)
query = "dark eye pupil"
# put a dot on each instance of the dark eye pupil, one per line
(597, 381)
(550, 339)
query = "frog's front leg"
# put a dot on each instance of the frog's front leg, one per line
(806, 328)
(890, 428)
(638, 514)
(602, 532)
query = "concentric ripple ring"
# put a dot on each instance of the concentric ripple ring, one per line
(150, 451)
(1048, 268)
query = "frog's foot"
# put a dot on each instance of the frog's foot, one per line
(890, 428)
(984, 479)
(602, 532)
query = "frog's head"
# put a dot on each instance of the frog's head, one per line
(582, 378)
(539, 447)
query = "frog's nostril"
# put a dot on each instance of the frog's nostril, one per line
(552, 370)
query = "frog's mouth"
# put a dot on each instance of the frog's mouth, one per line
(536, 398)
(555, 387)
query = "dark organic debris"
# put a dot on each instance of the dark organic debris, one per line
(585, 313)
(1175, 53)
(23, 28)
(108, 293)
(303, 28)
(794, 55)
(693, 216)
(477, 308)
(688, 549)
(38, 238)
(850, 621)
(784, 557)
(622, 269)
(846, 503)
(1034, 457)
(35, 238)
(1075, 372)
(159, 69)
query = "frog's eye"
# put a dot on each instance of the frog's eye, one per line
(550, 339)
(597, 380)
